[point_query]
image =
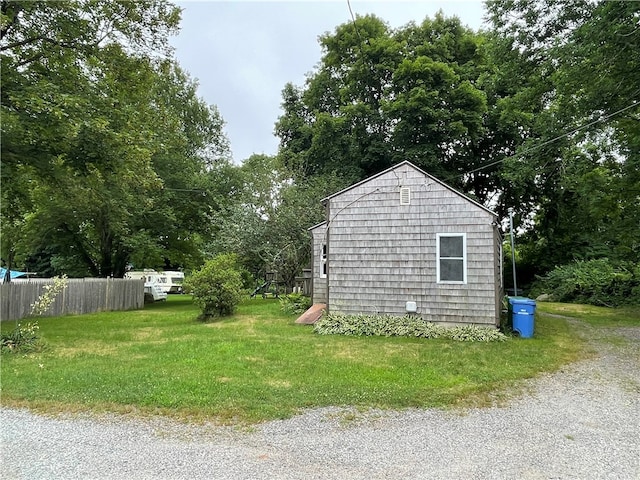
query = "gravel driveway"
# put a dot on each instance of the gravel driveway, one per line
(581, 423)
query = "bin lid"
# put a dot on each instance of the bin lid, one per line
(521, 301)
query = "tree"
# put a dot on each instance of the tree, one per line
(106, 141)
(191, 160)
(299, 209)
(266, 222)
(381, 96)
(576, 167)
(46, 49)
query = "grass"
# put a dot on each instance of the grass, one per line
(596, 316)
(258, 365)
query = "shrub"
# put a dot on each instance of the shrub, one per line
(295, 303)
(24, 338)
(595, 282)
(217, 286)
(51, 291)
(407, 326)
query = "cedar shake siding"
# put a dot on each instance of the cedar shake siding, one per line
(403, 236)
(319, 280)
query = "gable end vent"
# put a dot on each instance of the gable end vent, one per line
(405, 196)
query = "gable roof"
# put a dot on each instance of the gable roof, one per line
(408, 163)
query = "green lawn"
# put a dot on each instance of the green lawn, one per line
(596, 316)
(258, 365)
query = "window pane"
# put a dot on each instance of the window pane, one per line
(451, 271)
(451, 247)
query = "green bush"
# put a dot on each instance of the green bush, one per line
(295, 303)
(594, 282)
(407, 326)
(217, 286)
(23, 338)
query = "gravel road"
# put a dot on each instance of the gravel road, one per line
(580, 423)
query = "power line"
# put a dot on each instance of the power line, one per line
(536, 147)
(353, 19)
(362, 56)
(183, 190)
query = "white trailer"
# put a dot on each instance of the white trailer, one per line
(150, 276)
(176, 278)
(153, 294)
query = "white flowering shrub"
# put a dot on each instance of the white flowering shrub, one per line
(51, 291)
(24, 338)
(407, 326)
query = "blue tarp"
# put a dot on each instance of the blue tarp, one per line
(14, 273)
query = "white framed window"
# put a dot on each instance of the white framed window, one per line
(451, 257)
(323, 261)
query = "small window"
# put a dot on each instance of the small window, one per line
(323, 261)
(405, 196)
(451, 251)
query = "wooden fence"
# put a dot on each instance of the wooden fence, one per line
(81, 295)
(303, 284)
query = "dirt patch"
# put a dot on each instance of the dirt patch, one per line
(145, 333)
(279, 383)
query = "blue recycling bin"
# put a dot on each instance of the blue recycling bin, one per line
(523, 315)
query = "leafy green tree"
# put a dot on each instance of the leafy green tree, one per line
(575, 173)
(381, 96)
(54, 57)
(192, 161)
(242, 225)
(300, 208)
(109, 153)
(266, 221)
(48, 51)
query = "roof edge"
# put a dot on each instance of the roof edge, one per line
(317, 225)
(407, 162)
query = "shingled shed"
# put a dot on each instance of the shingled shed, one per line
(403, 241)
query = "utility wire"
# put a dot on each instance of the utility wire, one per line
(183, 190)
(353, 20)
(536, 147)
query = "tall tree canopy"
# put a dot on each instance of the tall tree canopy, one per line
(380, 96)
(577, 168)
(106, 148)
(109, 157)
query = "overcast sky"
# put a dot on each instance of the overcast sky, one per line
(242, 53)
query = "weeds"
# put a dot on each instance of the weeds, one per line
(295, 303)
(25, 338)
